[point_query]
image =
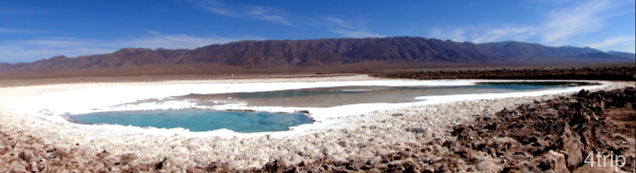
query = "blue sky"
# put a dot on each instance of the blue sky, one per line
(35, 29)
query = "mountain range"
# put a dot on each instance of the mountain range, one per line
(294, 54)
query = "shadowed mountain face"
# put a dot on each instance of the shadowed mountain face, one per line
(598, 55)
(265, 54)
(622, 54)
(532, 50)
(272, 54)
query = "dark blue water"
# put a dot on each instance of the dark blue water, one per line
(199, 120)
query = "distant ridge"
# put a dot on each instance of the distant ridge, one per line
(274, 54)
(533, 50)
(622, 54)
(597, 55)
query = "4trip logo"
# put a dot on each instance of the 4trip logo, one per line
(616, 161)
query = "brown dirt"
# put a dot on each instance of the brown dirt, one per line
(623, 72)
(70, 80)
(376, 69)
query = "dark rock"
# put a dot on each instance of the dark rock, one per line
(607, 72)
(416, 130)
(302, 111)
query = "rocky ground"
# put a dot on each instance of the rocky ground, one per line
(479, 135)
(600, 72)
(545, 136)
(548, 136)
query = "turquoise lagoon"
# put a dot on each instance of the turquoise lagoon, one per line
(239, 121)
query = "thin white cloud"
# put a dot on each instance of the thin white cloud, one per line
(40, 48)
(357, 34)
(575, 20)
(268, 14)
(32, 50)
(219, 11)
(509, 33)
(251, 11)
(484, 34)
(624, 44)
(457, 34)
(585, 18)
(346, 29)
(213, 6)
(628, 48)
(339, 22)
(611, 42)
(174, 41)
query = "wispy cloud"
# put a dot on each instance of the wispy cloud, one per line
(18, 31)
(45, 47)
(574, 20)
(174, 41)
(280, 16)
(519, 33)
(457, 34)
(628, 48)
(213, 6)
(339, 22)
(484, 34)
(250, 11)
(357, 34)
(612, 41)
(347, 29)
(268, 14)
(39, 48)
(581, 19)
(624, 43)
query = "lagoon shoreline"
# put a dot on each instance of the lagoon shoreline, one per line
(364, 136)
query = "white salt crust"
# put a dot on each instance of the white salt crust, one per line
(364, 129)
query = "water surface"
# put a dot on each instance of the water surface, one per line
(199, 120)
(336, 96)
(206, 120)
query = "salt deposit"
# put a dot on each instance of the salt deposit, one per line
(101, 99)
(350, 131)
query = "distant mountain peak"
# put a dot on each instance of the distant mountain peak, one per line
(59, 57)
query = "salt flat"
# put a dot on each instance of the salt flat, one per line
(359, 130)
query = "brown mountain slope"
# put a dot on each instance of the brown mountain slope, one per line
(269, 53)
(622, 54)
(533, 50)
(293, 55)
(275, 53)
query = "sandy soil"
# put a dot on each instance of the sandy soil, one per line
(365, 136)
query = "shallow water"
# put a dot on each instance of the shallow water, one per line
(207, 120)
(336, 96)
(199, 120)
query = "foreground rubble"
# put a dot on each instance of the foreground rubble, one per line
(551, 136)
